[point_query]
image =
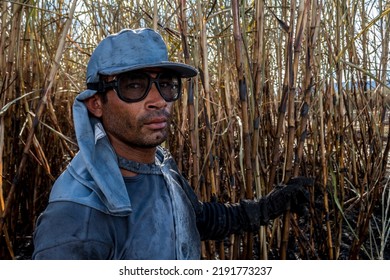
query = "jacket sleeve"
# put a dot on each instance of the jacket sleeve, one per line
(218, 220)
(215, 221)
(63, 233)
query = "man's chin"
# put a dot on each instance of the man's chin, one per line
(158, 140)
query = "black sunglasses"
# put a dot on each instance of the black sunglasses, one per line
(134, 86)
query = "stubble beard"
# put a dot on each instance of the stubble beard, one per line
(134, 134)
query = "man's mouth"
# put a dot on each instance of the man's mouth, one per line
(157, 123)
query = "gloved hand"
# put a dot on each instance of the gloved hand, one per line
(293, 196)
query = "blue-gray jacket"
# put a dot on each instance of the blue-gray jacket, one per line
(91, 214)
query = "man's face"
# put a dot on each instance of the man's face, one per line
(142, 124)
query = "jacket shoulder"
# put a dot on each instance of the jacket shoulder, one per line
(65, 231)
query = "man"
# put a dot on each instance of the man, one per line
(122, 196)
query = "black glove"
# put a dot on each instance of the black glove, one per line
(293, 196)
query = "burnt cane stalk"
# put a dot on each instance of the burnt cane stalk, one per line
(242, 88)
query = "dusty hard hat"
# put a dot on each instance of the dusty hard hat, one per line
(131, 50)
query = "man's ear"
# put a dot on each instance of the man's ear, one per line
(94, 105)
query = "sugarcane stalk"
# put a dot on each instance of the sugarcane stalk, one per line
(191, 99)
(207, 112)
(303, 11)
(258, 69)
(308, 85)
(275, 156)
(291, 125)
(242, 88)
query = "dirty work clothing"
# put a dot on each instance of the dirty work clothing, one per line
(93, 180)
(85, 233)
(95, 213)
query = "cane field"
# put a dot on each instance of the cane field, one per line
(285, 88)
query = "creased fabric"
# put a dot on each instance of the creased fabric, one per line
(95, 167)
(184, 217)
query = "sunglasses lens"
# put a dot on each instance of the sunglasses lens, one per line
(133, 86)
(169, 86)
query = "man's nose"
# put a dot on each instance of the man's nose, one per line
(154, 98)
